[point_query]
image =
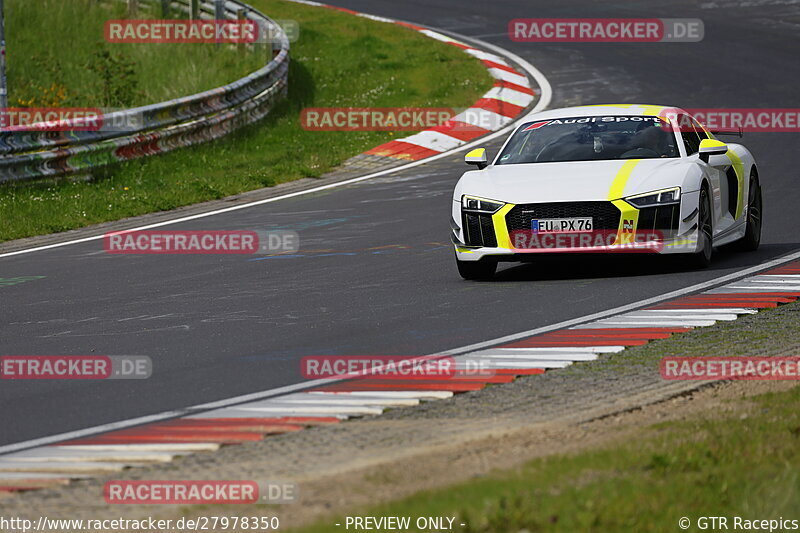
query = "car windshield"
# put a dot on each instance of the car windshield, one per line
(590, 139)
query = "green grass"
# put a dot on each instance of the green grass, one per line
(339, 60)
(58, 57)
(710, 466)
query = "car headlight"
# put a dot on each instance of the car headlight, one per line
(652, 199)
(480, 205)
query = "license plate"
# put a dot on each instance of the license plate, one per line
(562, 225)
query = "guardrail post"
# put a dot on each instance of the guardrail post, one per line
(165, 9)
(241, 15)
(219, 9)
(133, 8)
(264, 40)
(275, 43)
(219, 14)
(194, 11)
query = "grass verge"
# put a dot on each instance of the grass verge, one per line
(339, 60)
(744, 465)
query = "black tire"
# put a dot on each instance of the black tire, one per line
(752, 234)
(702, 259)
(482, 270)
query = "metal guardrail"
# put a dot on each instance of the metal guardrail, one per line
(149, 130)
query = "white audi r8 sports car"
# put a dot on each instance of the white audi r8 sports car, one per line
(606, 179)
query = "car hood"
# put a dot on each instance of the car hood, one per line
(572, 181)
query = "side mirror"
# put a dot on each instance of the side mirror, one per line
(709, 147)
(477, 157)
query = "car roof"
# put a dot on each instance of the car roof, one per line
(605, 110)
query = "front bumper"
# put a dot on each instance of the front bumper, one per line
(623, 229)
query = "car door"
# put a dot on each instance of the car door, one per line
(691, 134)
(724, 172)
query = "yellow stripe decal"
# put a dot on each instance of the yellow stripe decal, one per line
(652, 110)
(618, 186)
(500, 228)
(628, 221)
(681, 243)
(738, 167)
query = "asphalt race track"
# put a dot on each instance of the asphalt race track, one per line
(375, 274)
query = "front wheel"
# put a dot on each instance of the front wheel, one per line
(482, 270)
(752, 234)
(702, 258)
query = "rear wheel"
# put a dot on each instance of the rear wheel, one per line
(752, 234)
(482, 270)
(702, 258)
